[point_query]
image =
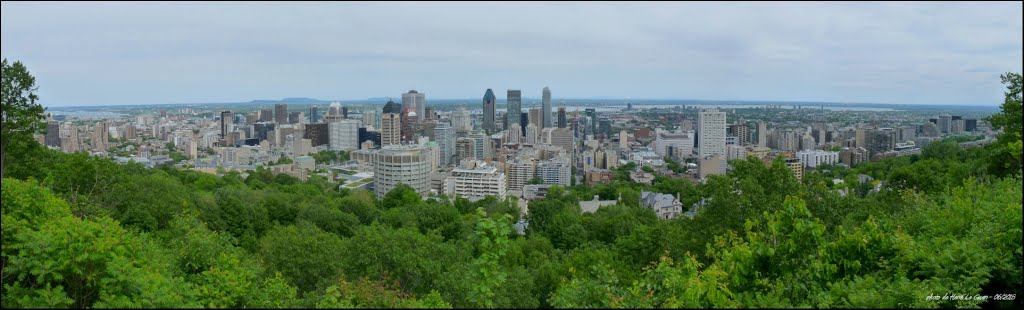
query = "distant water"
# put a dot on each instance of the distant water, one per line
(87, 114)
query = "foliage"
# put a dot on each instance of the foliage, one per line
(22, 116)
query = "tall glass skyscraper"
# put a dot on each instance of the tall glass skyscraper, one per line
(514, 111)
(489, 110)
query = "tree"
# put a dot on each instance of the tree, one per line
(22, 116)
(1006, 156)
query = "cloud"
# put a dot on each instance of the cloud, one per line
(114, 53)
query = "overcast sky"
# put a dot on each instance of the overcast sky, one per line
(143, 53)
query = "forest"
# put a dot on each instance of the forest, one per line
(80, 231)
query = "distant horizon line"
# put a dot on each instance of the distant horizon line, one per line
(730, 101)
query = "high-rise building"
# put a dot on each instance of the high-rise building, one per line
(489, 111)
(514, 110)
(225, 120)
(445, 137)
(461, 120)
(741, 132)
(814, 158)
(295, 117)
(532, 133)
(555, 171)
(562, 121)
(394, 165)
(591, 114)
(52, 133)
(945, 122)
(266, 115)
(344, 134)
(416, 102)
(262, 131)
(711, 133)
(314, 114)
(390, 129)
(680, 142)
(524, 119)
(371, 118)
(281, 113)
(762, 134)
(317, 134)
(546, 107)
(392, 107)
(970, 124)
(476, 180)
(536, 118)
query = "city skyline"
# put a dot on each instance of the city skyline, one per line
(911, 53)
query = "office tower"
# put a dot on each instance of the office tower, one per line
(69, 138)
(281, 113)
(393, 165)
(524, 118)
(555, 171)
(514, 108)
(390, 129)
(461, 120)
(546, 107)
(562, 121)
(225, 120)
(334, 108)
(907, 133)
(344, 134)
(762, 134)
(371, 118)
(945, 122)
(476, 180)
(463, 149)
(414, 101)
(295, 117)
(314, 115)
(409, 121)
(591, 114)
(880, 140)
(971, 124)
(266, 115)
(605, 127)
(536, 118)
(317, 134)
(741, 132)
(513, 136)
(344, 112)
(52, 133)
(368, 139)
(101, 136)
(262, 130)
(711, 133)
(532, 133)
(444, 135)
(563, 137)
(956, 126)
(489, 111)
(520, 172)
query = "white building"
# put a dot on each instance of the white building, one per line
(532, 133)
(344, 134)
(555, 171)
(393, 165)
(461, 120)
(813, 158)
(476, 180)
(665, 205)
(711, 133)
(681, 141)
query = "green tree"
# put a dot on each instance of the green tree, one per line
(22, 116)
(1006, 154)
(321, 259)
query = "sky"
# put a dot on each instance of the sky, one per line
(151, 53)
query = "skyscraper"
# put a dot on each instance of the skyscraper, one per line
(52, 133)
(445, 137)
(562, 121)
(711, 133)
(390, 129)
(489, 110)
(762, 134)
(281, 113)
(225, 119)
(314, 115)
(546, 107)
(461, 120)
(266, 115)
(536, 117)
(514, 110)
(416, 102)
